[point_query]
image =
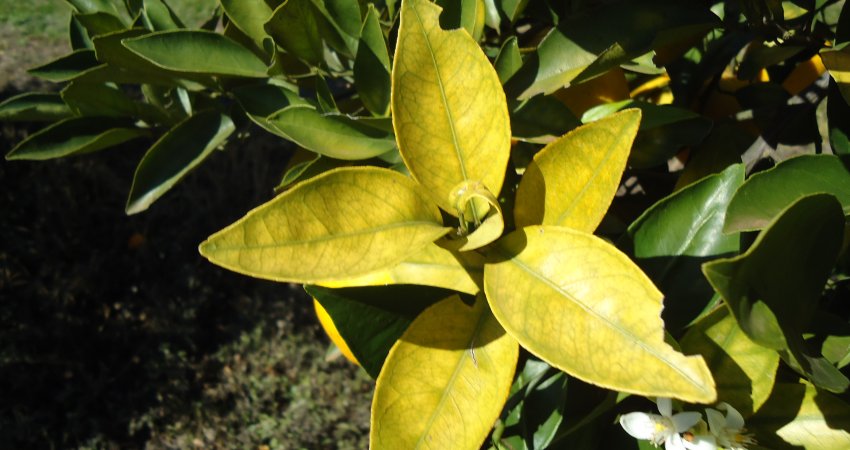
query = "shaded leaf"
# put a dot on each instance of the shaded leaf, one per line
(262, 100)
(578, 303)
(671, 239)
(161, 16)
(249, 16)
(572, 181)
(34, 107)
(449, 110)
(459, 363)
(294, 26)
(66, 67)
(372, 66)
(344, 223)
(74, 136)
(174, 155)
(103, 100)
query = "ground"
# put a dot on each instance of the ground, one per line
(115, 333)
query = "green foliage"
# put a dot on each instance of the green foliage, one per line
(473, 174)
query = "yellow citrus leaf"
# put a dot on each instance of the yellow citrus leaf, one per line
(572, 181)
(837, 62)
(346, 222)
(328, 325)
(431, 266)
(745, 371)
(582, 306)
(445, 381)
(449, 110)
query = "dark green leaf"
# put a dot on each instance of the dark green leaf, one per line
(372, 66)
(262, 100)
(249, 16)
(103, 100)
(680, 232)
(466, 14)
(174, 155)
(98, 23)
(509, 59)
(837, 112)
(74, 136)
(66, 67)
(197, 52)
(541, 119)
(773, 289)
(767, 193)
(294, 26)
(371, 319)
(78, 36)
(113, 7)
(161, 16)
(34, 107)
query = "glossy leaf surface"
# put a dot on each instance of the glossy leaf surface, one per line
(445, 381)
(34, 107)
(345, 223)
(197, 52)
(449, 110)
(335, 135)
(767, 193)
(174, 155)
(431, 266)
(294, 26)
(249, 16)
(578, 303)
(744, 370)
(671, 240)
(74, 136)
(66, 67)
(572, 181)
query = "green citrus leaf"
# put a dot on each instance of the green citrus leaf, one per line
(578, 303)
(174, 155)
(745, 371)
(837, 62)
(466, 14)
(259, 101)
(294, 26)
(250, 17)
(335, 135)
(803, 417)
(87, 99)
(445, 381)
(197, 51)
(161, 17)
(765, 194)
(431, 266)
(509, 59)
(371, 319)
(572, 181)
(372, 66)
(449, 110)
(34, 107)
(74, 136)
(66, 67)
(671, 240)
(98, 23)
(344, 223)
(773, 289)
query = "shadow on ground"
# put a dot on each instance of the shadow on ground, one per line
(115, 333)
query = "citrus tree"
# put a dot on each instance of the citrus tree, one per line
(521, 217)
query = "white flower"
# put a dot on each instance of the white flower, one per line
(660, 429)
(729, 430)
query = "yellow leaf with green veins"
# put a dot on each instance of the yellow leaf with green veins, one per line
(445, 381)
(582, 306)
(572, 181)
(449, 110)
(344, 223)
(431, 266)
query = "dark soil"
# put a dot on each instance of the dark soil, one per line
(116, 333)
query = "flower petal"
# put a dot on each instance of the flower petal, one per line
(700, 442)
(644, 426)
(734, 419)
(674, 442)
(665, 406)
(716, 421)
(685, 420)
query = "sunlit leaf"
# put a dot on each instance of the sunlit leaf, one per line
(671, 240)
(74, 136)
(445, 381)
(449, 110)
(197, 51)
(161, 16)
(578, 303)
(174, 155)
(745, 371)
(432, 266)
(572, 181)
(801, 416)
(765, 194)
(249, 16)
(509, 59)
(335, 135)
(344, 223)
